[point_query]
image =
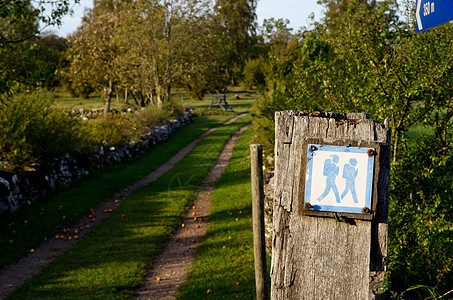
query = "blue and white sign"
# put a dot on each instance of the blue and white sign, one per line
(339, 179)
(429, 14)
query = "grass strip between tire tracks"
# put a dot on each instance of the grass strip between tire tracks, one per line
(111, 260)
(224, 262)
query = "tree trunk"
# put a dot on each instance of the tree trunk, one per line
(135, 99)
(109, 93)
(125, 96)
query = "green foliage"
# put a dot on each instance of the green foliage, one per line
(264, 121)
(377, 64)
(22, 61)
(236, 21)
(119, 129)
(32, 131)
(421, 225)
(77, 88)
(253, 75)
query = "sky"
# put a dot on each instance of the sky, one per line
(296, 11)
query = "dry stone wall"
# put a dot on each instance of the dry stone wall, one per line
(16, 191)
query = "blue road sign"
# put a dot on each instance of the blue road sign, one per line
(430, 13)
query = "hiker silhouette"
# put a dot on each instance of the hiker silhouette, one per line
(331, 171)
(350, 173)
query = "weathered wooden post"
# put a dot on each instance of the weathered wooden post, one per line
(332, 175)
(261, 281)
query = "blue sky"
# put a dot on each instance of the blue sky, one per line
(296, 11)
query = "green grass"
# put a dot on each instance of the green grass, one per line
(65, 101)
(109, 262)
(413, 132)
(225, 257)
(17, 237)
(243, 104)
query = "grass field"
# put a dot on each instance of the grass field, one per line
(110, 261)
(64, 101)
(240, 105)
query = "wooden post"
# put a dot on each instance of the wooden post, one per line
(256, 154)
(330, 255)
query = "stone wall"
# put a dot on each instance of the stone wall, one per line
(16, 191)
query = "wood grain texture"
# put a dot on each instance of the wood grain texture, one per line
(259, 247)
(317, 257)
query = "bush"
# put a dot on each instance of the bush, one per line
(253, 74)
(119, 129)
(32, 131)
(264, 119)
(421, 228)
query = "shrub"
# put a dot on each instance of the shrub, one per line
(253, 74)
(119, 129)
(264, 119)
(32, 131)
(421, 228)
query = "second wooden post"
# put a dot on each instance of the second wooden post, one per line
(256, 156)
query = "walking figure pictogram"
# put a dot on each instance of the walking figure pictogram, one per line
(350, 173)
(331, 171)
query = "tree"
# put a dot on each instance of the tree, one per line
(380, 66)
(203, 67)
(236, 29)
(335, 10)
(18, 28)
(96, 51)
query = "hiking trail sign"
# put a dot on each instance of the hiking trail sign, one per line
(431, 13)
(339, 178)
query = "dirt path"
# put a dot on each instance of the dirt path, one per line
(170, 268)
(14, 275)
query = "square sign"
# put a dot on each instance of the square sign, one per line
(339, 179)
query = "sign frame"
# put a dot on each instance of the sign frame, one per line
(309, 211)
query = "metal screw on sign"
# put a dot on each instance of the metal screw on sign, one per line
(366, 210)
(370, 152)
(307, 205)
(313, 148)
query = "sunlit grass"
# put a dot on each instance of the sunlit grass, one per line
(416, 132)
(224, 267)
(240, 105)
(65, 101)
